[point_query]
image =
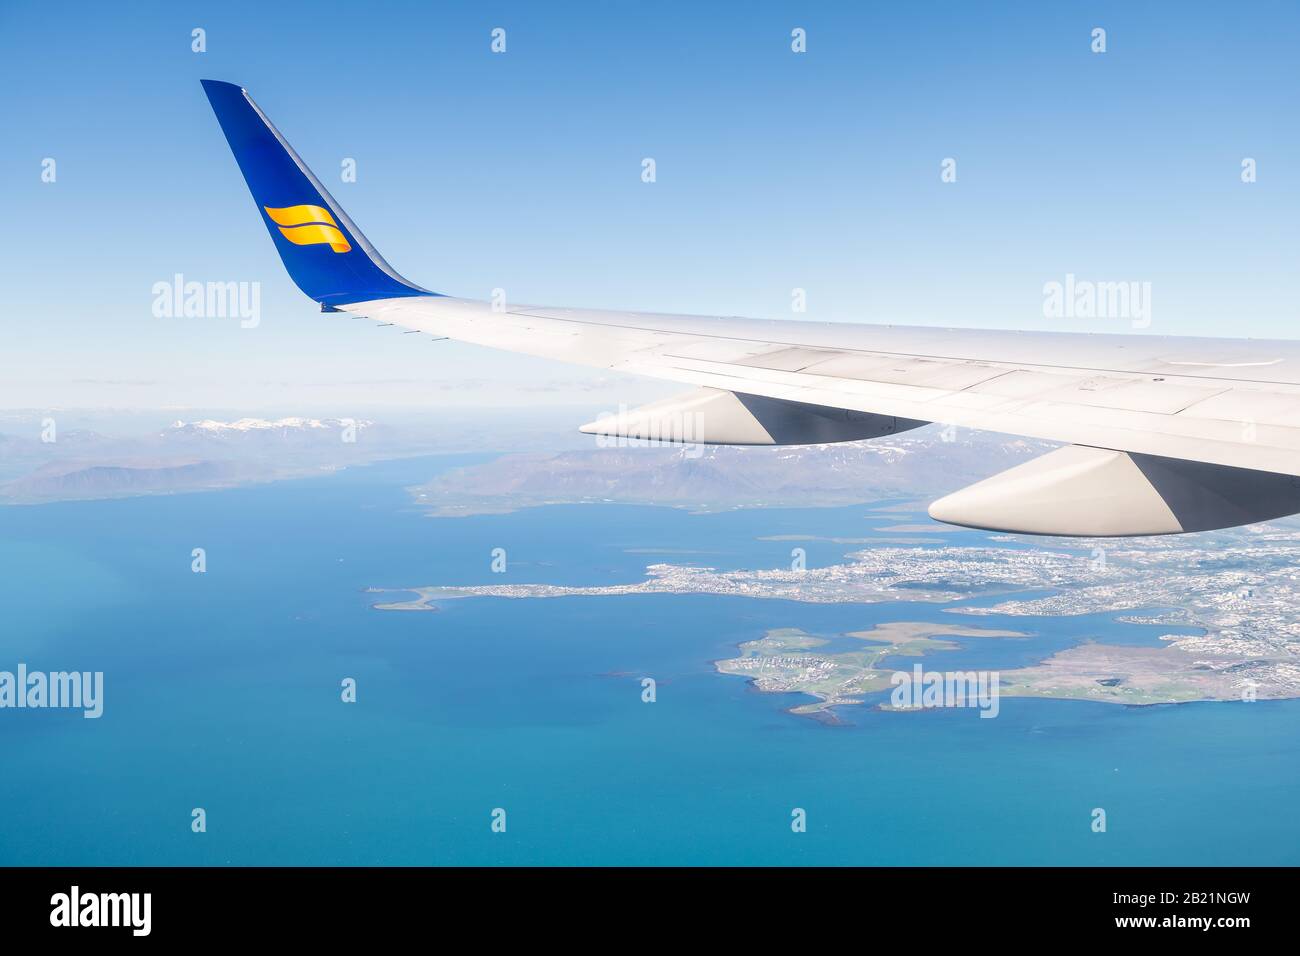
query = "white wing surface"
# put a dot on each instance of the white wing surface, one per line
(1220, 401)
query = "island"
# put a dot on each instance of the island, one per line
(786, 660)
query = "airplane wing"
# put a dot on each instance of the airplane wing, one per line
(1162, 434)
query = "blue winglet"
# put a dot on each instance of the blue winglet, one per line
(325, 253)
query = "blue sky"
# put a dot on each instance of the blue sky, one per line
(521, 170)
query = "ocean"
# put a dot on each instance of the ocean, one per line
(222, 692)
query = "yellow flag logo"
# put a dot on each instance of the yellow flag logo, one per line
(308, 226)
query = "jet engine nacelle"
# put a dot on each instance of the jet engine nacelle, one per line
(1097, 492)
(712, 416)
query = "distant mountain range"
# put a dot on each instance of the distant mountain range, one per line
(73, 480)
(209, 453)
(189, 456)
(918, 464)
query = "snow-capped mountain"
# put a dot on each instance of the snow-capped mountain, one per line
(284, 426)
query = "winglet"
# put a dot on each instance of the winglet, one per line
(323, 250)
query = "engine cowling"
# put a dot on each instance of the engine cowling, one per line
(1099, 492)
(711, 416)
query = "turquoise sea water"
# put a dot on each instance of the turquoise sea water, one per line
(222, 692)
